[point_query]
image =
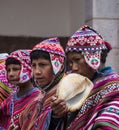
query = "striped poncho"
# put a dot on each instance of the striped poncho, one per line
(5, 86)
(19, 105)
(31, 112)
(4, 92)
(38, 118)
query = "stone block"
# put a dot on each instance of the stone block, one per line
(113, 59)
(106, 9)
(109, 29)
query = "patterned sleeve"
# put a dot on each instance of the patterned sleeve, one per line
(4, 111)
(108, 117)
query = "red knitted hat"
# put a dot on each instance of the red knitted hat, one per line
(90, 43)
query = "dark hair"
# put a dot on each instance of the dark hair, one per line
(104, 56)
(36, 54)
(12, 61)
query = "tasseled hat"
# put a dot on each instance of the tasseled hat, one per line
(3, 56)
(3, 77)
(4, 84)
(90, 43)
(56, 51)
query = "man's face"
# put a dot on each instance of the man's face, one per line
(77, 64)
(13, 73)
(42, 71)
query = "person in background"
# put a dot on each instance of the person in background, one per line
(47, 60)
(5, 89)
(86, 53)
(18, 67)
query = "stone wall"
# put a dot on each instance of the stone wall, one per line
(103, 15)
(11, 43)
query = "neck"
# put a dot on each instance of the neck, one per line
(102, 65)
(24, 87)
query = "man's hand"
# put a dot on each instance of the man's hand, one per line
(59, 107)
(13, 127)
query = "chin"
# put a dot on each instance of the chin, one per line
(14, 82)
(39, 84)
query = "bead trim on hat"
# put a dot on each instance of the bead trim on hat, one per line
(86, 48)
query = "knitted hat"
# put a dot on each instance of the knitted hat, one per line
(3, 56)
(57, 54)
(3, 78)
(90, 43)
(23, 56)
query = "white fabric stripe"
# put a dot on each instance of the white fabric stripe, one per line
(109, 118)
(114, 114)
(103, 117)
(112, 106)
(115, 102)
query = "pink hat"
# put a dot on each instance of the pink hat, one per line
(90, 43)
(56, 51)
(3, 55)
(23, 56)
(3, 77)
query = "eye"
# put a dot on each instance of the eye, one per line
(16, 69)
(33, 65)
(8, 70)
(77, 59)
(44, 64)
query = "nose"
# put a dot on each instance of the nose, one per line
(37, 71)
(10, 73)
(75, 67)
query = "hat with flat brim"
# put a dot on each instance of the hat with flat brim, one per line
(74, 89)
